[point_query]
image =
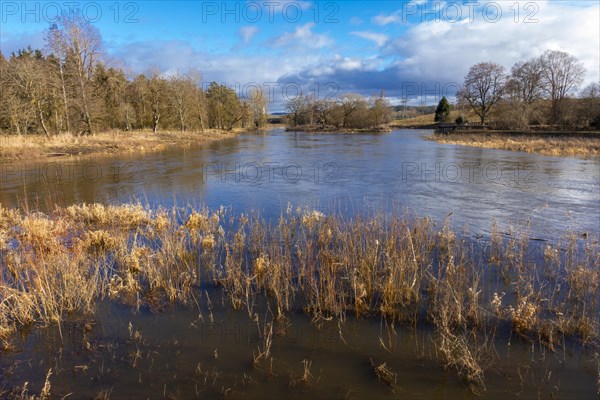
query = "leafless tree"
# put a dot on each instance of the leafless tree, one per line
(56, 46)
(257, 103)
(181, 96)
(527, 78)
(199, 111)
(296, 107)
(561, 72)
(79, 42)
(15, 109)
(349, 103)
(483, 87)
(156, 90)
(590, 105)
(381, 110)
(28, 77)
(523, 90)
(591, 91)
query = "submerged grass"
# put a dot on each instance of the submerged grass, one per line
(398, 267)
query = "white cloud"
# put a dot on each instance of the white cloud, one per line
(446, 50)
(385, 19)
(303, 36)
(355, 21)
(247, 33)
(441, 53)
(379, 38)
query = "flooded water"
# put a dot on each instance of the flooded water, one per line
(334, 173)
(183, 354)
(208, 351)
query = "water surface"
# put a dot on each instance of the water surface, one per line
(334, 173)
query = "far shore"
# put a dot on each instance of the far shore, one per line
(333, 129)
(65, 145)
(581, 144)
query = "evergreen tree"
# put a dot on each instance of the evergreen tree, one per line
(442, 113)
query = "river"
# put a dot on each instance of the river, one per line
(334, 173)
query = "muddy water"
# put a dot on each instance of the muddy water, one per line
(332, 172)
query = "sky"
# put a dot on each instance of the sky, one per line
(419, 50)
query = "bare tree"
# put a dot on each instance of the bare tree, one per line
(257, 102)
(296, 107)
(349, 103)
(79, 42)
(181, 93)
(199, 110)
(15, 108)
(483, 87)
(56, 46)
(156, 90)
(381, 110)
(523, 90)
(561, 72)
(590, 105)
(527, 78)
(591, 91)
(30, 80)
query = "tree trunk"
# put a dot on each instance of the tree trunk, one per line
(64, 93)
(127, 123)
(42, 122)
(156, 119)
(201, 124)
(86, 113)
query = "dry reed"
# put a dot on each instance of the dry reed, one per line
(396, 266)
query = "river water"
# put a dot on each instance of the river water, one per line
(333, 173)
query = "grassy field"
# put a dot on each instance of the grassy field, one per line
(403, 268)
(30, 147)
(421, 120)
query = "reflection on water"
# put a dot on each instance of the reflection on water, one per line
(333, 173)
(183, 354)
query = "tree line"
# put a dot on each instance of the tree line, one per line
(349, 111)
(67, 88)
(538, 91)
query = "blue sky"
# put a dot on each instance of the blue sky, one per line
(419, 49)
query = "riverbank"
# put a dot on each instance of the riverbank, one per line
(566, 144)
(36, 147)
(333, 129)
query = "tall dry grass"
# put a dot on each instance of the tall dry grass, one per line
(28, 147)
(564, 145)
(395, 266)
